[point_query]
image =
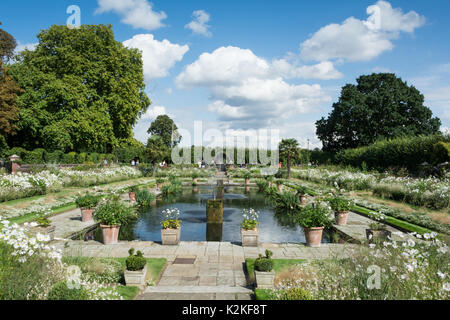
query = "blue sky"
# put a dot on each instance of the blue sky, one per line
(241, 66)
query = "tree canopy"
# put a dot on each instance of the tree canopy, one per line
(289, 149)
(165, 128)
(379, 106)
(9, 89)
(83, 90)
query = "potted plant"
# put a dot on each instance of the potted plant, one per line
(303, 194)
(314, 218)
(132, 193)
(377, 232)
(136, 269)
(87, 204)
(280, 184)
(249, 228)
(111, 215)
(195, 176)
(159, 183)
(247, 175)
(263, 269)
(269, 180)
(171, 226)
(341, 207)
(44, 227)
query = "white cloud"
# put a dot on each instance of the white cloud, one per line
(361, 40)
(137, 13)
(158, 56)
(199, 24)
(324, 70)
(245, 90)
(153, 112)
(26, 46)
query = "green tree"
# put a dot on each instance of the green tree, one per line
(165, 128)
(379, 106)
(289, 149)
(156, 150)
(83, 90)
(9, 111)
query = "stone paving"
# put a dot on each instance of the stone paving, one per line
(69, 224)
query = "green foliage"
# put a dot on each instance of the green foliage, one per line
(264, 263)
(55, 156)
(144, 198)
(165, 128)
(379, 106)
(87, 201)
(60, 291)
(291, 294)
(114, 213)
(287, 201)
(70, 158)
(340, 204)
(441, 152)
(289, 149)
(135, 262)
(262, 185)
(156, 149)
(37, 156)
(83, 90)
(171, 224)
(314, 216)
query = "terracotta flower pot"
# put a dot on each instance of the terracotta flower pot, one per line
(110, 234)
(313, 236)
(132, 196)
(170, 236)
(159, 186)
(247, 181)
(303, 199)
(280, 187)
(341, 218)
(249, 238)
(86, 215)
(195, 180)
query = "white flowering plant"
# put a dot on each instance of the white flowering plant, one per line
(250, 219)
(170, 218)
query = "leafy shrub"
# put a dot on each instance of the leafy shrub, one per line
(314, 216)
(262, 185)
(87, 201)
(93, 157)
(70, 158)
(286, 201)
(340, 204)
(113, 213)
(441, 152)
(144, 198)
(135, 262)
(54, 157)
(21, 152)
(36, 156)
(264, 263)
(81, 157)
(61, 292)
(293, 294)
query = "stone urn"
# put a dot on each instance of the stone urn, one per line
(110, 234)
(132, 196)
(48, 231)
(170, 236)
(377, 235)
(135, 278)
(87, 215)
(264, 280)
(250, 237)
(341, 218)
(303, 199)
(313, 236)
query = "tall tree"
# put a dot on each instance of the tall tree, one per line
(164, 127)
(156, 150)
(84, 91)
(379, 106)
(289, 149)
(9, 89)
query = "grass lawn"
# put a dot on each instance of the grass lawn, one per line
(154, 269)
(278, 265)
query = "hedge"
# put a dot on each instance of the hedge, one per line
(407, 152)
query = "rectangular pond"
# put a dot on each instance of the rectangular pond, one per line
(273, 226)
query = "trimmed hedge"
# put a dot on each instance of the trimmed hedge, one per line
(407, 152)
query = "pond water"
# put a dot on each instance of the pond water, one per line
(273, 227)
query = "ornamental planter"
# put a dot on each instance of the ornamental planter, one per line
(132, 196)
(313, 236)
(377, 235)
(247, 181)
(250, 237)
(49, 231)
(135, 278)
(195, 180)
(341, 218)
(87, 215)
(280, 187)
(110, 234)
(170, 236)
(303, 199)
(159, 186)
(264, 280)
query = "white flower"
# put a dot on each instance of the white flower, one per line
(446, 286)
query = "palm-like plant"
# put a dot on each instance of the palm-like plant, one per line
(288, 149)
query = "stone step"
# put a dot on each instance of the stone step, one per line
(196, 293)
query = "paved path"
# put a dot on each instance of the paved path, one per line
(203, 270)
(69, 224)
